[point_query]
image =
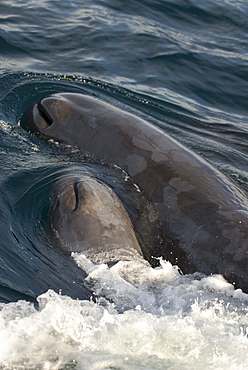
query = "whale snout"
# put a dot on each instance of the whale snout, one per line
(38, 118)
(46, 117)
(68, 197)
(60, 116)
(41, 118)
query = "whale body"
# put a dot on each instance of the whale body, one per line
(203, 212)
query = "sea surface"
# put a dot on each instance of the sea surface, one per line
(181, 65)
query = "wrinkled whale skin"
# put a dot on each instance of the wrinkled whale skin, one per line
(200, 208)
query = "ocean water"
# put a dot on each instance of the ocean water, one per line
(181, 65)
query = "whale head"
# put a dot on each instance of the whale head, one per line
(88, 217)
(58, 116)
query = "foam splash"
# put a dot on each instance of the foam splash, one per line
(142, 318)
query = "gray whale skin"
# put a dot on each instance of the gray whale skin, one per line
(201, 209)
(87, 216)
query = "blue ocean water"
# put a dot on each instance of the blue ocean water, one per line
(181, 65)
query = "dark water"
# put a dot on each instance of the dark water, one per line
(181, 65)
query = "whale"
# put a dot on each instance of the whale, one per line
(87, 217)
(202, 211)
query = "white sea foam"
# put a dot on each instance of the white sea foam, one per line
(142, 318)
